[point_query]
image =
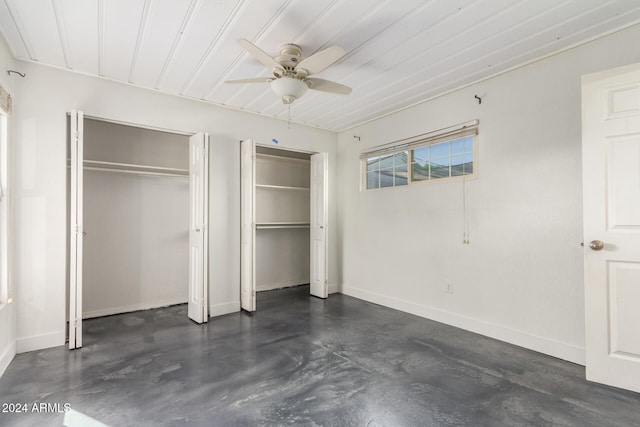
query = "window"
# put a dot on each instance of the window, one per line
(447, 153)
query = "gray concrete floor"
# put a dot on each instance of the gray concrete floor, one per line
(302, 361)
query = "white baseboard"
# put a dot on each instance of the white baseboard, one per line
(224, 308)
(7, 356)
(333, 288)
(133, 307)
(39, 342)
(547, 346)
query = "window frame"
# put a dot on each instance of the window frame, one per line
(442, 136)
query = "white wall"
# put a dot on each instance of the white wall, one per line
(520, 279)
(7, 311)
(45, 96)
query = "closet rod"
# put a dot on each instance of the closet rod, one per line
(134, 172)
(282, 225)
(282, 187)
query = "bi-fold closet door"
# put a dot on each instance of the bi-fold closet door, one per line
(103, 172)
(283, 221)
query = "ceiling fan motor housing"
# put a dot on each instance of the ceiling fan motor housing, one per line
(290, 55)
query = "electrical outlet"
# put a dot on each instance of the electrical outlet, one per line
(448, 288)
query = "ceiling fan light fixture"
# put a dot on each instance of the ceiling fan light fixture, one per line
(289, 89)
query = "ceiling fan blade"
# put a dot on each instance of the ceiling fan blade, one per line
(259, 54)
(321, 60)
(252, 80)
(327, 86)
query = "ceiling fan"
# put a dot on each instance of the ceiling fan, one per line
(291, 73)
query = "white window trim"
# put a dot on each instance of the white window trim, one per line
(6, 291)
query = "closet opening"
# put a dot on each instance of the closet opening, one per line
(282, 218)
(136, 209)
(284, 204)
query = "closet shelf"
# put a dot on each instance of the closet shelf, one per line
(135, 169)
(268, 157)
(277, 225)
(282, 187)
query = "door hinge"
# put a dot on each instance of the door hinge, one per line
(76, 229)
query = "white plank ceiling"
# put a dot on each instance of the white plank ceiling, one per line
(398, 52)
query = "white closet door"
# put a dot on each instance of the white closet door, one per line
(248, 230)
(611, 183)
(76, 230)
(319, 205)
(198, 229)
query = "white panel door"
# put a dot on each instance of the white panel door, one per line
(198, 229)
(611, 180)
(248, 225)
(76, 229)
(319, 205)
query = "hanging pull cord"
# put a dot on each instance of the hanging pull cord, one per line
(465, 215)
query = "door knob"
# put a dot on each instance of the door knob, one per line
(596, 245)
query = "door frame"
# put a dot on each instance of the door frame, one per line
(248, 291)
(74, 303)
(610, 246)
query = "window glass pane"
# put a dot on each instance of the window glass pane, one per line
(457, 169)
(468, 168)
(386, 162)
(420, 172)
(373, 164)
(460, 165)
(440, 168)
(440, 150)
(400, 160)
(373, 179)
(468, 144)
(457, 147)
(462, 159)
(386, 178)
(421, 155)
(401, 169)
(467, 158)
(401, 178)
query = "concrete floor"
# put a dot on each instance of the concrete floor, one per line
(303, 361)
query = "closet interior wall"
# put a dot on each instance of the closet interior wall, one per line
(136, 218)
(282, 218)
